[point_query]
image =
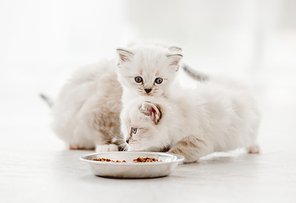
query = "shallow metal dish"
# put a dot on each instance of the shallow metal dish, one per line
(130, 169)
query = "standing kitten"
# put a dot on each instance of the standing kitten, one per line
(148, 69)
(86, 113)
(198, 122)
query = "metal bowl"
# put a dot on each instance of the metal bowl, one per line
(129, 169)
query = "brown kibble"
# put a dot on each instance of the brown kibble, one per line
(137, 160)
(146, 159)
(108, 160)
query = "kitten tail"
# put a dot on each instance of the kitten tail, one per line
(47, 100)
(195, 74)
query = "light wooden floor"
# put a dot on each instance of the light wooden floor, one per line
(36, 167)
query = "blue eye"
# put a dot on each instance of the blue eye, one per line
(138, 79)
(134, 130)
(158, 80)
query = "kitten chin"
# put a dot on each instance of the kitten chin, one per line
(149, 149)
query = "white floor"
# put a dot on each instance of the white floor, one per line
(36, 167)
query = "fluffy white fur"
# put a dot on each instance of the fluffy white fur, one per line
(148, 61)
(86, 112)
(216, 116)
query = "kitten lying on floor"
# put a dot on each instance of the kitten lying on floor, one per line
(197, 122)
(86, 112)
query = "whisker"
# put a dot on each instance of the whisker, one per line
(121, 145)
(112, 134)
(125, 148)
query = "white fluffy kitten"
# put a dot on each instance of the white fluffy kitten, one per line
(86, 112)
(148, 69)
(199, 121)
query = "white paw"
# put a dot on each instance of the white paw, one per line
(254, 149)
(106, 148)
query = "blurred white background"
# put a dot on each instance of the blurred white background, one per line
(43, 42)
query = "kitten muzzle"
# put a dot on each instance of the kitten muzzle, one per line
(148, 90)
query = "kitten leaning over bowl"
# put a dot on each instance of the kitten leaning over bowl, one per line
(195, 123)
(86, 112)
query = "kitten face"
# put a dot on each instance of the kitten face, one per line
(148, 70)
(140, 126)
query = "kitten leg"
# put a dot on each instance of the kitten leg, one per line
(106, 148)
(71, 147)
(191, 148)
(253, 149)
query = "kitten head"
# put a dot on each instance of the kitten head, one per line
(148, 69)
(141, 126)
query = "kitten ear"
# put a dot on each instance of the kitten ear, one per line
(175, 59)
(124, 55)
(175, 49)
(151, 110)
